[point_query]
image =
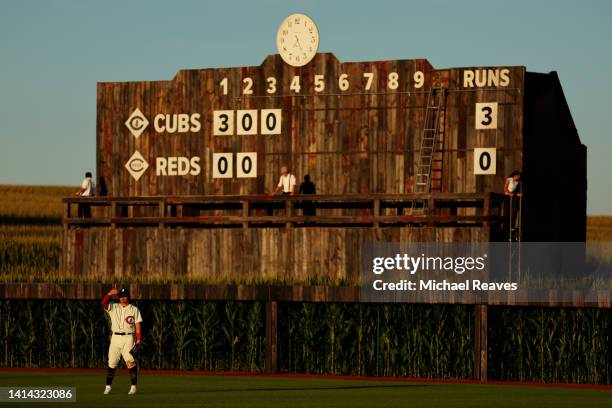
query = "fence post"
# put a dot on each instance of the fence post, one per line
(480, 342)
(271, 336)
(377, 339)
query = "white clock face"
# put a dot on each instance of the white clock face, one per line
(297, 40)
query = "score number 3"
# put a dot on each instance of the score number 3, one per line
(486, 115)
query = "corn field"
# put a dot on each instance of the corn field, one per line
(427, 341)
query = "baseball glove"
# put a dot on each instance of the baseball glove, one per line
(136, 349)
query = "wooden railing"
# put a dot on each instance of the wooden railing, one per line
(370, 210)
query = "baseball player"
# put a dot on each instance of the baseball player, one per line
(125, 319)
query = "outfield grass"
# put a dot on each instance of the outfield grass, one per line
(156, 390)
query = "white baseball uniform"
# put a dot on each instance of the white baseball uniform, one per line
(123, 321)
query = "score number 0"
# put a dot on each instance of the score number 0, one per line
(246, 165)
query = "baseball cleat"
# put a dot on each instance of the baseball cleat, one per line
(107, 390)
(132, 390)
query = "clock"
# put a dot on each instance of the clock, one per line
(297, 40)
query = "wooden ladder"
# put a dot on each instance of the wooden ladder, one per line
(432, 140)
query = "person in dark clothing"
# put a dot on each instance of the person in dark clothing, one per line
(308, 187)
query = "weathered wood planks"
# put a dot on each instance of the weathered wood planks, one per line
(353, 141)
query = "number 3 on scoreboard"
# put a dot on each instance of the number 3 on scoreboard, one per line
(222, 165)
(485, 160)
(486, 115)
(223, 123)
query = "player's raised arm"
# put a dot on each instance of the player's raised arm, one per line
(106, 298)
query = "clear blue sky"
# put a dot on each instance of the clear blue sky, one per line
(52, 53)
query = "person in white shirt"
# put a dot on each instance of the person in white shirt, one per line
(512, 184)
(125, 324)
(512, 189)
(87, 190)
(286, 183)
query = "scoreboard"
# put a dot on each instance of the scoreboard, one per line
(354, 127)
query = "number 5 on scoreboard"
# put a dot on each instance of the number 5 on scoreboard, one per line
(222, 165)
(485, 160)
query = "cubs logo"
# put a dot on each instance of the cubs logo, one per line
(130, 320)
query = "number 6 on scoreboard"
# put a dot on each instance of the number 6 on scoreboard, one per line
(246, 166)
(485, 160)
(222, 165)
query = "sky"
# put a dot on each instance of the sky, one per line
(52, 54)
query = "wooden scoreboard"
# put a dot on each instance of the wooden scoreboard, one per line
(185, 165)
(354, 127)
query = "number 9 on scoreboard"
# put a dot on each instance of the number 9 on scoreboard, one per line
(485, 159)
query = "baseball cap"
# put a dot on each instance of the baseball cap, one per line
(124, 293)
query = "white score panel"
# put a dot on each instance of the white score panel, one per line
(246, 165)
(246, 122)
(222, 165)
(484, 160)
(486, 115)
(223, 123)
(271, 121)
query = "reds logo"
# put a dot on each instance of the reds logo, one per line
(130, 320)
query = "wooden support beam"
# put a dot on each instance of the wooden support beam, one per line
(162, 214)
(245, 213)
(113, 212)
(288, 212)
(480, 342)
(271, 362)
(376, 212)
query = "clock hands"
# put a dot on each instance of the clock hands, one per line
(297, 41)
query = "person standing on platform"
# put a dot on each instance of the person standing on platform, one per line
(512, 190)
(87, 190)
(308, 187)
(286, 183)
(513, 184)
